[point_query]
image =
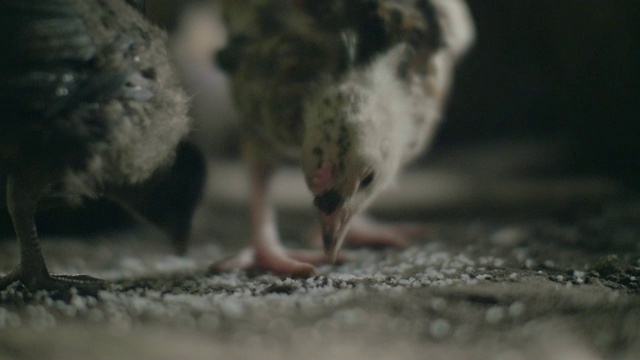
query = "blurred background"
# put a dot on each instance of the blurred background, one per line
(562, 73)
(544, 111)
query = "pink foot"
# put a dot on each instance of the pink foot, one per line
(295, 263)
(365, 232)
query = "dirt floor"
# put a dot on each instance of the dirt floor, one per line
(527, 278)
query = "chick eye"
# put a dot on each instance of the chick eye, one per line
(367, 180)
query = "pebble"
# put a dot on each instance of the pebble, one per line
(439, 328)
(494, 314)
(578, 274)
(232, 309)
(438, 304)
(508, 237)
(516, 309)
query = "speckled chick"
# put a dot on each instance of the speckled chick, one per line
(353, 89)
(89, 106)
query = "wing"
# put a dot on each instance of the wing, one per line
(50, 63)
(250, 24)
(376, 26)
(366, 28)
(44, 31)
(357, 24)
(140, 5)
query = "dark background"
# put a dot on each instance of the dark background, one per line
(563, 73)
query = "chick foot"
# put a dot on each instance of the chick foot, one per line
(366, 232)
(60, 284)
(276, 259)
(23, 193)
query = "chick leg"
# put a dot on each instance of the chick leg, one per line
(266, 252)
(23, 193)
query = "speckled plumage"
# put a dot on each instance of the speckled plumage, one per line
(354, 86)
(89, 106)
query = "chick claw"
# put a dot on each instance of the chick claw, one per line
(85, 285)
(295, 263)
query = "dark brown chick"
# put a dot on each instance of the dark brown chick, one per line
(89, 106)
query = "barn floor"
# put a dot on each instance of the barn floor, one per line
(538, 270)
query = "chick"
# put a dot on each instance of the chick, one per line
(89, 107)
(353, 89)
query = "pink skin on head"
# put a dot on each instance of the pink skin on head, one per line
(323, 180)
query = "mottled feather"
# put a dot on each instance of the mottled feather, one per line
(353, 88)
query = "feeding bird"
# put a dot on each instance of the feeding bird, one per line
(90, 106)
(353, 89)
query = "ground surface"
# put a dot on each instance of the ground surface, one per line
(528, 278)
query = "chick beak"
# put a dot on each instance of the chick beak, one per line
(334, 220)
(334, 230)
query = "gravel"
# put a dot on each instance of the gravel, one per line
(489, 287)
